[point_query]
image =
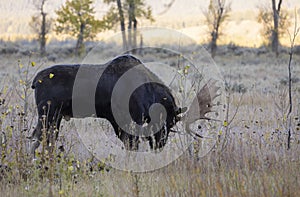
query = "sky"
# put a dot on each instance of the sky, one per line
(180, 7)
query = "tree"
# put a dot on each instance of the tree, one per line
(215, 16)
(114, 16)
(275, 37)
(131, 21)
(77, 19)
(134, 9)
(40, 25)
(274, 22)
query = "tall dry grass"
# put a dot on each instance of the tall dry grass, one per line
(254, 162)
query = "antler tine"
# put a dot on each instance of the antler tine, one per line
(203, 102)
(206, 96)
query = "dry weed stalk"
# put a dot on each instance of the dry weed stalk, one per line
(292, 44)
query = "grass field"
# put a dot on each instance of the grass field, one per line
(250, 159)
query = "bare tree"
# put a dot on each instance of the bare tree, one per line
(131, 22)
(266, 18)
(136, 9)
(131, 9)
(215, 15)
(116, 15)
(40, 25)
(122, 23)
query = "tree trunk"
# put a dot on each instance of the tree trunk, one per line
(275, 37)
(130, 21)
(122, 24)
(140, 50)
(79, 44)
(216, 26)
(132, 26)
(43, 35)
(129, 36)
(134, 31)
(213, 43)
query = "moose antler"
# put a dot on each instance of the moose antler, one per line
(201, 105)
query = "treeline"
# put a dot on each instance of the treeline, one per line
(77, 19)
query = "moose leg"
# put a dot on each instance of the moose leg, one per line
(150, 140)
(35, 137)
(161, 137)
(130, 141)
(49, 121)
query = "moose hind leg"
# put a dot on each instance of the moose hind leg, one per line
(130, 141)
(49, 121)
(35, 138)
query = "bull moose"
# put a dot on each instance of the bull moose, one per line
(55, 98)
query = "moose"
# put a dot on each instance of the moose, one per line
(55, 99)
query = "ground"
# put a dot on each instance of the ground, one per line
(249, 159)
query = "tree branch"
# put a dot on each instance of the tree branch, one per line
(167, 7)
(279, 6)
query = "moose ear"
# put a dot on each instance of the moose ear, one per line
(181, 110)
